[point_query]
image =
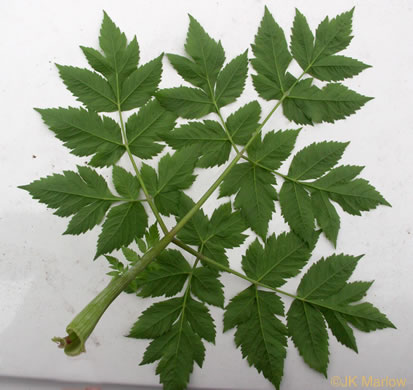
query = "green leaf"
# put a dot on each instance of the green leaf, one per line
(340, 175)
(325, 290)
(208, 137)
(120, 59)
(183, 348)
(307, 103)
(242, 123)
(307, 328)
(146, 127)
(326, 215)
(206, 52)
(316, 159)
(88, 217)
(69, 192)
(166, 276)
(111, 40)
(355, 196)
(126, 184)
(141, 85)
(130, 255)
(281, 258)
(86, 133)
(185, 102)
(327, 276)
(302, 41)
(200, 319)
(97, 61)
(274, 149)
(338, 325)
(336, 68)
(333, 35)
(196, 229)
(122, 225)
(157, 319)
(177, 345)
(222, 231)
(206, 286)
(255, 195)
(188, 70)
(152, 235)
(175, 174)
(271, 59)
(261, 335)
(114, 263)
(141, 245)
(366, 317)
(231, 80)
(351, 292)
(89, 88)
(316, 57)
(297, 209)
(240, 308)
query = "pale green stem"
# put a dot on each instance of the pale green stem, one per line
(229, 270)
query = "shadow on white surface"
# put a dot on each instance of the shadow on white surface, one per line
(10, 383)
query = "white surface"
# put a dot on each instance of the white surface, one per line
(45, 278)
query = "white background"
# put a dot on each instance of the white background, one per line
(46, 278)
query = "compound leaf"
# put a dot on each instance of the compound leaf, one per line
(86, 133)
(307, 103)
(316, 159)
(188, 70)
(260, 334)
(185, 102)
(307, 328)
(316, 57)
(88, 217)
(273, 149)
(126, 184)
(208, 137)
(205, 51)
(120, 59)
(166, 276)
(206, 286)
(297, 209)
(333, 35)
(327, 276)
(157, 319)
(111, 40)
(355, 196)
(271, 59)
(336, 68)
(175, 173)
(146, 127)
(326, 215)
(70, 191)
(255, 194)
(123, 224)
(200, 319)
(97, 61)
(242, 123)
(324, 292)
(184, 347)
(231, 80)
(222, 231)
(141, 85)
(281, 258)
(302, 41)
(89, 88)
